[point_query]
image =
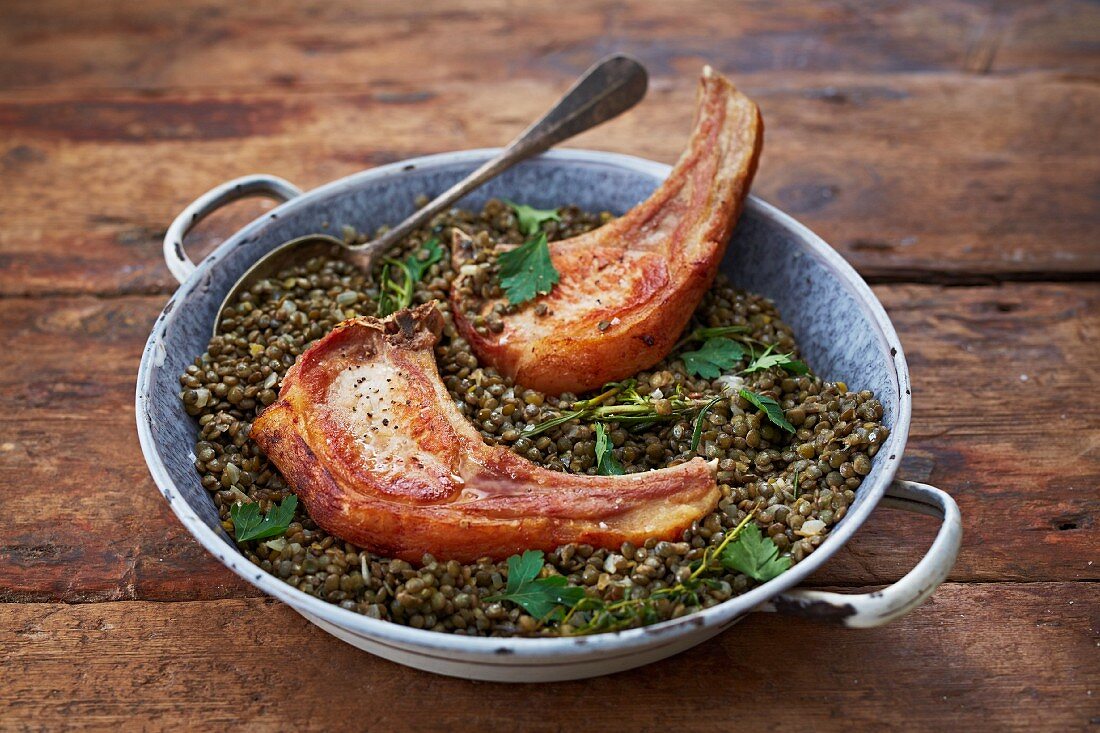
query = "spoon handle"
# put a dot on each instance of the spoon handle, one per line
(606, 90)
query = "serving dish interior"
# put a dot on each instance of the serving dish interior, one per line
(816, 293)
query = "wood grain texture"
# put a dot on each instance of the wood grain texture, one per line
(86, 522)
(933, 142)
(1020, 457)
(938, 177)
(292, 44)
(975, 657)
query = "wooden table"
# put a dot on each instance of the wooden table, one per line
(949, 150)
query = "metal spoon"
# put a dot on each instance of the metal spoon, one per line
(606, 90)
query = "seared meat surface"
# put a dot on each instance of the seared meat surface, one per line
(628, 289)
(366, 433)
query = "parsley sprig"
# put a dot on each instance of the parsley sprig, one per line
(530, 218)
(703, 334)
(543, 598)
(399, 277)
(249, 525)
(724, 346)
(527, 271)
(719, 354)
(742, 550)
(754, 555)
(768, 360)
(770, 407)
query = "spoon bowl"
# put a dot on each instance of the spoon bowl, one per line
(606, 90)
(278, 259)
(842, 328)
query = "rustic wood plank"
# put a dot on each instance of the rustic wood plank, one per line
(945, 141)
(975, 657)
(996, 373)
(943, 177)
(84, 522)
(162, 44)
(87, 523)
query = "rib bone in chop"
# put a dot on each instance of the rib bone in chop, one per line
(628, 289)
(367, 434)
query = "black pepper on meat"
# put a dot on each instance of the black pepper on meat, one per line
(838, 433)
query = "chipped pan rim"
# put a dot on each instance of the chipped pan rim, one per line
(510, 651)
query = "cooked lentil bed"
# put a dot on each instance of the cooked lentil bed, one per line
(838, 432)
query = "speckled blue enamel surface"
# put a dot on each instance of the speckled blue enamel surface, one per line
(837, 333)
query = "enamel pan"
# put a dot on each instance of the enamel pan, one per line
(842, 328)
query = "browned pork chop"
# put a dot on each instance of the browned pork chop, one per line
(371, 441)
(628, 289)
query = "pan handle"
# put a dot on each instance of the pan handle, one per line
(865, 610)
(179, 264)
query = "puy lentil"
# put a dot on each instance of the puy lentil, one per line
(260, 336)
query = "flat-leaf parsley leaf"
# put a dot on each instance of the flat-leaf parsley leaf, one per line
(716, 356)
(530, 218)
(248, 525)
(606, 465)
(527, 270)
(754, 555)
(770, 407)
(543, 598)
(767, 360)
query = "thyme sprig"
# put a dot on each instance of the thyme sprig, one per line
(620, 402)
(600, 615)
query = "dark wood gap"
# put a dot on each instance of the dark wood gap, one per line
(841, 587)
(942, 279)
(960, 279)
